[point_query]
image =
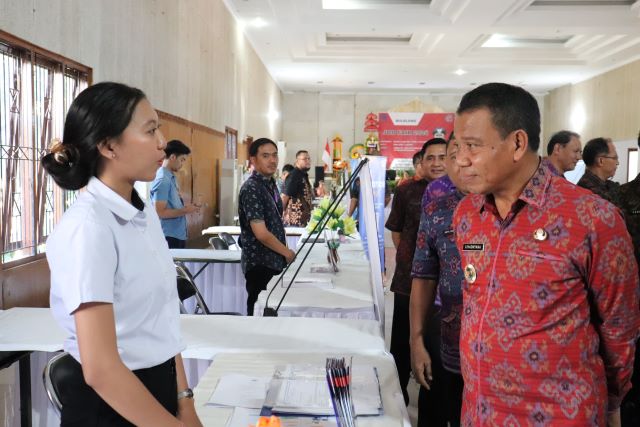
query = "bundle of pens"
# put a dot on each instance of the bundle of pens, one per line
(339, 380)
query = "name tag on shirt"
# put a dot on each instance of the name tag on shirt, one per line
(473, 247)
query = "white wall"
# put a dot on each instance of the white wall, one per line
(190, 57)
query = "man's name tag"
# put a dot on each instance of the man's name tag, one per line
(473, 246)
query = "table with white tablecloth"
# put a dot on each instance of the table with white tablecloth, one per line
(219, 278)
(292, 233)
(262, 364)
(205, 337)
(350, 295)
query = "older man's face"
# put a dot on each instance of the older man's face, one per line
(485, 159)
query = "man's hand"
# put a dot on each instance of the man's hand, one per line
(613, 419)
(290, 256)
(421, 363)
(190, 208)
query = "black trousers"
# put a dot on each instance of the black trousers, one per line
(630, 409)
(175, 243)
(399, 347)
(443, 403)
(83, 407)
(257, 279)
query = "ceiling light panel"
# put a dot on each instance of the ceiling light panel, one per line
(340, 38)
(581, 3)
(371, 4)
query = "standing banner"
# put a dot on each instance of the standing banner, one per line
(371, 219)
(401, 135)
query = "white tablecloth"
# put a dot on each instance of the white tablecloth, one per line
(263, 364)
(34, 329)
(351, 296)
(292, 233)
(221, 283)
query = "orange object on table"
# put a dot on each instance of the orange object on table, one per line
(271, 421)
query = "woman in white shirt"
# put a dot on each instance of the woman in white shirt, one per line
(113, 283)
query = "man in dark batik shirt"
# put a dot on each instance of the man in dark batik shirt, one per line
(262, 236)
(436, 303)
(403, 223)
(601, 159)
(628, 198)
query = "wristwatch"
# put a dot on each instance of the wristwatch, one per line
(187, 393)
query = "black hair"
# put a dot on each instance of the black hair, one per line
(301, 152)
(511, 108)
(176, 147)
(253, 149)
(287, 168)
(100, 112)
(432, 141)
(562, 137)
(595, 148)
(417, 157)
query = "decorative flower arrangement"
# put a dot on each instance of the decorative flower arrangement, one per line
(337, 223)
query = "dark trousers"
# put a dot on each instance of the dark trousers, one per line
(630, 409)
(175, 243)
(257, 279)
(82, 407)
(399, 347)
(443, 402)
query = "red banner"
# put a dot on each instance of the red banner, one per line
(401, 135)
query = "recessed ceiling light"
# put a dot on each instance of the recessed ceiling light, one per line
(258, 22)
(459, 72)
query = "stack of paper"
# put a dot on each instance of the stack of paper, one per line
(318, 282)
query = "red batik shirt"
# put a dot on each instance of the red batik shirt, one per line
(550, 322)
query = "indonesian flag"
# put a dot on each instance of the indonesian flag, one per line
(326, 157)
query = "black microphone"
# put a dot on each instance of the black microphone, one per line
(273, 312)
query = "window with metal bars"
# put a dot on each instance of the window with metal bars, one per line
(36, 90)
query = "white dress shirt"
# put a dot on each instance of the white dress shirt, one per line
(106, 250)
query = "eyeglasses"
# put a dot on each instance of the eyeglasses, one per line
(611, 157)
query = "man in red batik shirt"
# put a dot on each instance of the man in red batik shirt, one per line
(550, 299)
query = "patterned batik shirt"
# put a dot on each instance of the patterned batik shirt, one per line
(552, 168)
(550, 307)
(298, 188)
(605, 189)
(437, 258)
(437, 188)
(629, 201)
(259, 200)
(405, 219)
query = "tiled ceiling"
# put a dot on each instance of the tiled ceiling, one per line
(437, 45)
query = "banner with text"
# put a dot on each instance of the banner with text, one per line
(401, 135)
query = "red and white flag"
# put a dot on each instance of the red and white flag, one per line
(326, 157)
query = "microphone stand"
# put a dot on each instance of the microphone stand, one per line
(320, 225)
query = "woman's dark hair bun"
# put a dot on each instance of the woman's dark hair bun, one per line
(62, 164)
(99, 113)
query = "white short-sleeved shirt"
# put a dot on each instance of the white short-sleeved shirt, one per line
(106, 250)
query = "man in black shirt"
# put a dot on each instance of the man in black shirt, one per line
(262, 236)
(297, 196)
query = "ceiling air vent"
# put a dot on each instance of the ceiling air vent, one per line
(582, 3)
(336, 38)
(501, 40)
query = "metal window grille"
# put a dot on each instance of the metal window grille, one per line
(35, 94)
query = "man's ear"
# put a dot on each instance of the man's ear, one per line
(520, 144)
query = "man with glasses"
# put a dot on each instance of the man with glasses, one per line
(601, 159)
(297, 195)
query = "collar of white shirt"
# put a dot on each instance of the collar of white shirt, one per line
(112, 200)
